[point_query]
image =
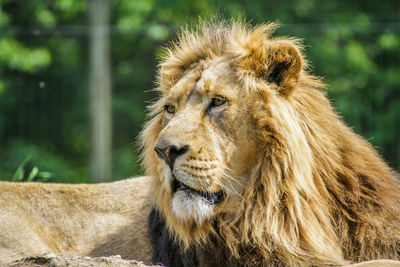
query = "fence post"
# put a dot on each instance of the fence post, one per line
(100, 90)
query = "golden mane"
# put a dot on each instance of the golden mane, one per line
(318, 193)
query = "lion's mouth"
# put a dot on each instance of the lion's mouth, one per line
(211, 198)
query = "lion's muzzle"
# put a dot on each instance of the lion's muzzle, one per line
(169, 154)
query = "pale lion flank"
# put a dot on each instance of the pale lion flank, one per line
(251, 165)
(87, 220)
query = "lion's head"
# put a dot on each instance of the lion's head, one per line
(244, 143)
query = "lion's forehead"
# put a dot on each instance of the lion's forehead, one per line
(213, 77)
(217, 72)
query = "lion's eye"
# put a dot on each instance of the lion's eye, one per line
(170, 108)
(217, 101)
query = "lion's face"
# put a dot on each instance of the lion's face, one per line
(206, 144)
(223, 117)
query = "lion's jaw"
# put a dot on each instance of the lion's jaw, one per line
(213, 168)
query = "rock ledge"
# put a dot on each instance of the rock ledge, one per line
(62, 260)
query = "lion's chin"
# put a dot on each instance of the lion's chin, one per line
(191, 204)
(187, 206)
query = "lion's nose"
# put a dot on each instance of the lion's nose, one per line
(170, 153)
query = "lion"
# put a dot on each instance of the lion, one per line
(87, 220)
(252, 166)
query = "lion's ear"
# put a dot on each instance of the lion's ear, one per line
(283, 65)
(275, 61)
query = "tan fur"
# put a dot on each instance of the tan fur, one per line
(301, 188)
(95, 220)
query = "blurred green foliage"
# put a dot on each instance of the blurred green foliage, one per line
(28, 173)
(354, 45)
